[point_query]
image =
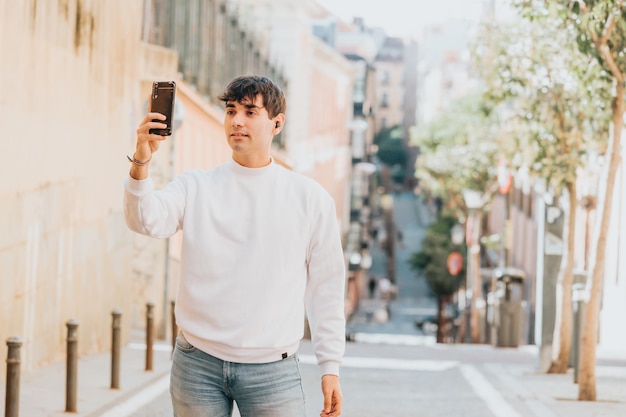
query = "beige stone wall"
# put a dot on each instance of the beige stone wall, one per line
(69, 109)
(328, 139)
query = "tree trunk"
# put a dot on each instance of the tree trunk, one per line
(477, 281)
(441, 318)
(561, 364)
(587, 366)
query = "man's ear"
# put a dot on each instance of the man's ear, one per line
(279, 121)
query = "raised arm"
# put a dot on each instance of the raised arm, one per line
(147, 144)
(150, 212)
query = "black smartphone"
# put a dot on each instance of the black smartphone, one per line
(163, 94)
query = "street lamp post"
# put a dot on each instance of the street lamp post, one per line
(457, 236)
(386, 203)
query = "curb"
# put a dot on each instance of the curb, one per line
(124, 405)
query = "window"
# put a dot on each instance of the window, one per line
(385, 78)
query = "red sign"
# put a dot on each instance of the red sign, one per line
(505, 179)
(454, 263)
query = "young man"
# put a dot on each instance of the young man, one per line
(259, 244)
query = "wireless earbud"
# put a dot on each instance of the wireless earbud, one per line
(277, 124)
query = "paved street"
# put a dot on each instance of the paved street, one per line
(414, 299)
(387, 380)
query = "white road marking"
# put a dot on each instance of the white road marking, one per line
(492, 398)
(395, 339)
(143, 397)
(387, 363)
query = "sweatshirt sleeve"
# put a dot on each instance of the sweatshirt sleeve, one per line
(325, 290)
(151, 212)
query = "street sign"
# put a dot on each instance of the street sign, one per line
(454, 263)
(505, 179)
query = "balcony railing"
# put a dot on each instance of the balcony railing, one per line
(211, 43)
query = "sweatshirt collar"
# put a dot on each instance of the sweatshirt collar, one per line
(252, 172)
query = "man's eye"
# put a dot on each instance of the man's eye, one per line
(251, 113)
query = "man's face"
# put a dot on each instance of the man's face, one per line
(249, 130)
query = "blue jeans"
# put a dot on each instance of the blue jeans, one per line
(202, 385)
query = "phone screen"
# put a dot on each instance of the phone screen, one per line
(163, 93)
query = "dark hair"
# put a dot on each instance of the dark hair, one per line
(249, 86)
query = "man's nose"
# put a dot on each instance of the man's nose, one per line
(237, 120)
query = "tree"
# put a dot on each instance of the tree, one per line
(431, 261)
(601, 33)
(459, 151)
(554, 100)
(601, 26)
(392, 151)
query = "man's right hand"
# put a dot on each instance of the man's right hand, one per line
(147, 144)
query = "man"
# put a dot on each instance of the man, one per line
(259, 244)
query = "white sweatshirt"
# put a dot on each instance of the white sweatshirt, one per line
(258, 244)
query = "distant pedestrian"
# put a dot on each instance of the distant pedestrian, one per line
(384, 286)
(372, 286)
(259, 244)
(400, 237)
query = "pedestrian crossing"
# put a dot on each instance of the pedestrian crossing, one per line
(387, 363)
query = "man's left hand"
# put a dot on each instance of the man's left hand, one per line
(332, 396)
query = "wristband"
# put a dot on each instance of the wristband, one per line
(137, 162)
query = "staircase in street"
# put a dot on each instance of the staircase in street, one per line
(394, 321)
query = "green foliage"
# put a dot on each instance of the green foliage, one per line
(459, 149)
(593, 20)
(554, 100)
(392, 152)
(388, 133)
(437, 245)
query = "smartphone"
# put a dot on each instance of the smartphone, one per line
(163, 94)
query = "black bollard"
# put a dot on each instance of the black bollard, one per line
(71, 373)
(12, 398)
(115, 348)
(174, 326)
(149, 334)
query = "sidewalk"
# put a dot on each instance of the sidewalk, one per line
(556, 395)
(42, 392)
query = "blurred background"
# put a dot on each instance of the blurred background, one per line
(468, 146)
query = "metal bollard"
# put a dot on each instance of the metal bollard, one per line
(115, 348)
(174, 326)
(149, 334)
(12, 398)
(71, 373)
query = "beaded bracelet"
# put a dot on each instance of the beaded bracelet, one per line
(137, 162)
